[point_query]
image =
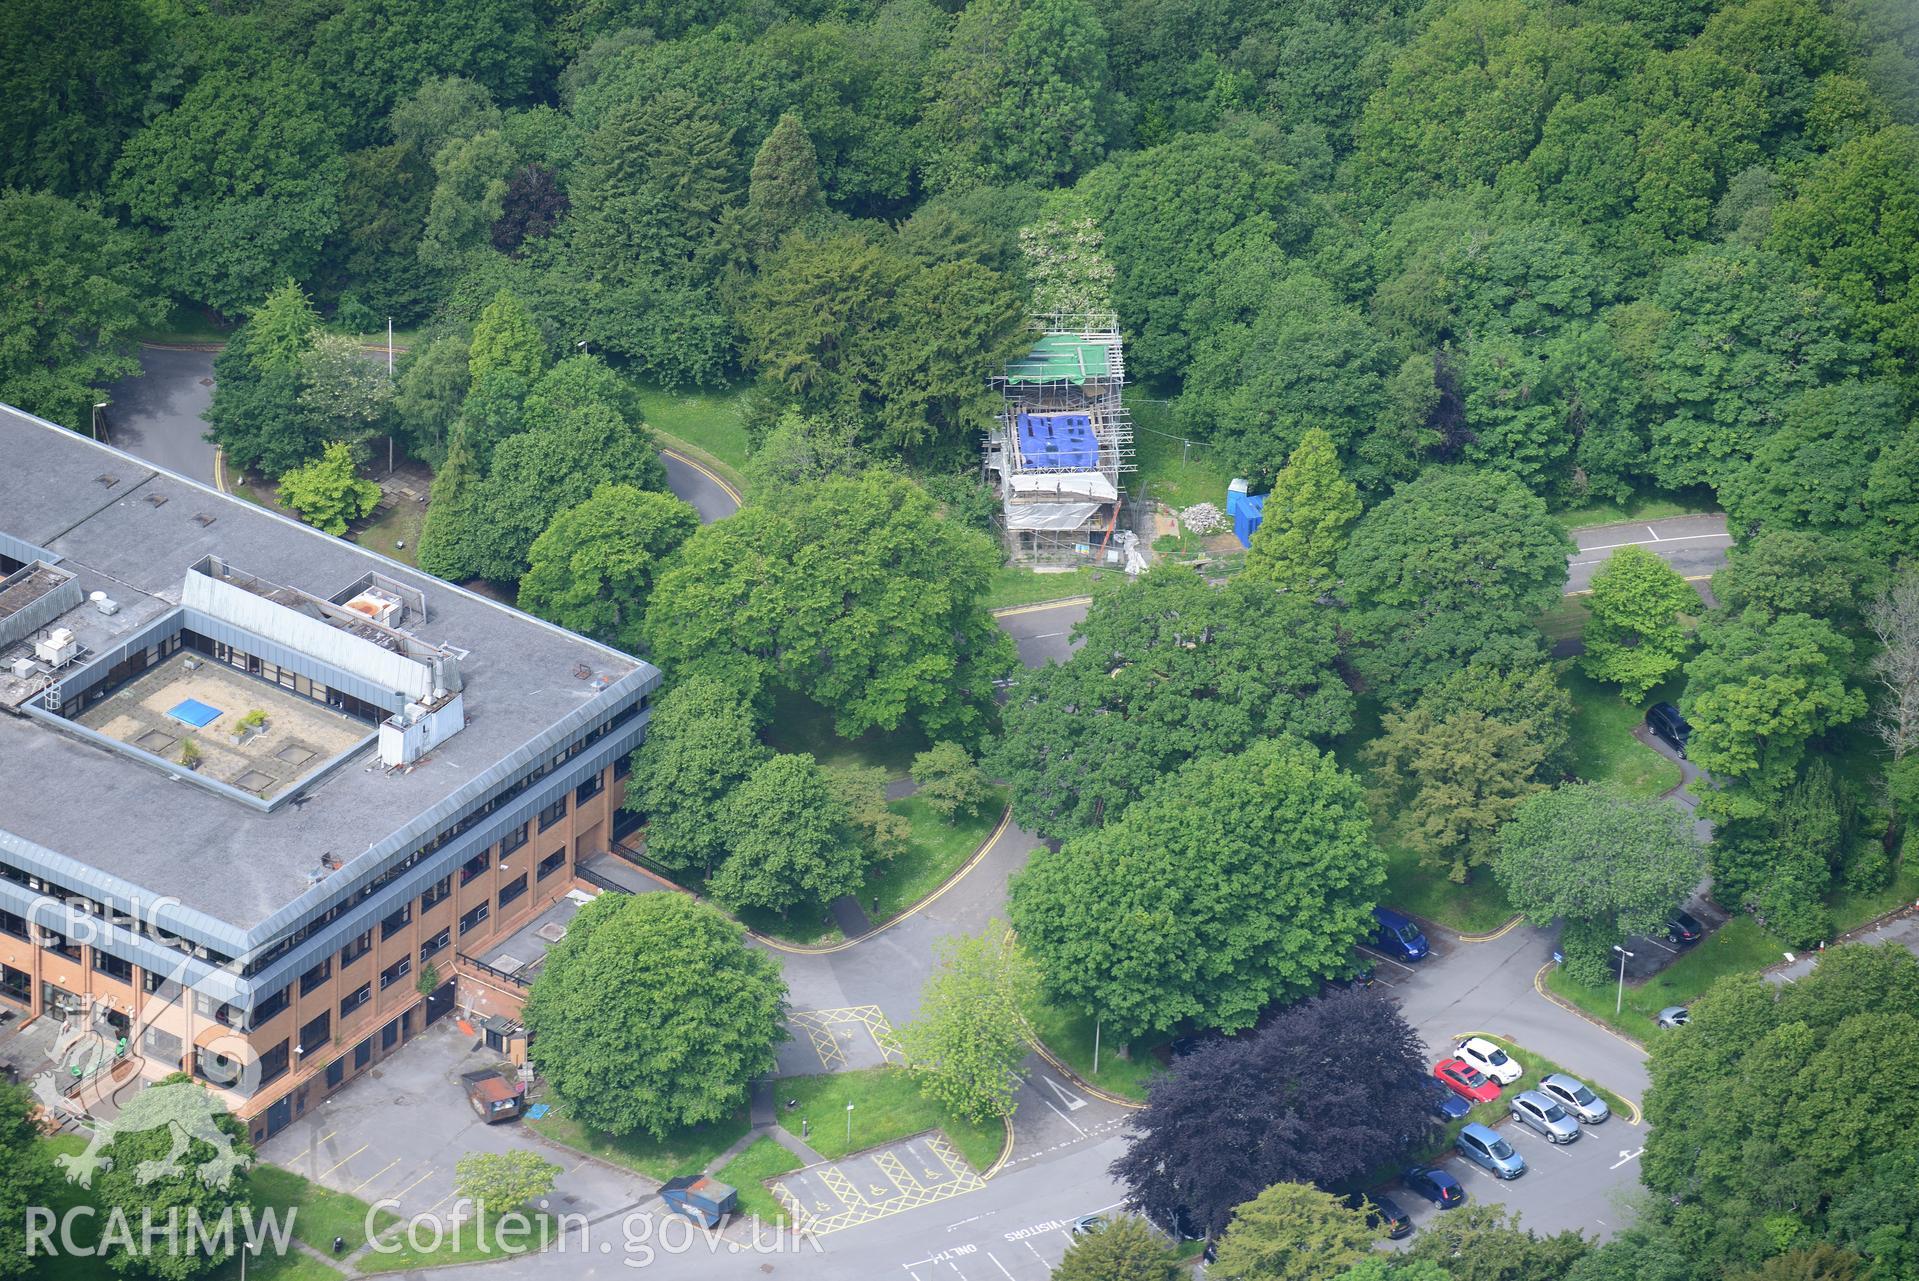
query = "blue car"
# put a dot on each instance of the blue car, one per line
(1397, 936)
(1437, 1186)
(1482, 1145)
(1446, 1105)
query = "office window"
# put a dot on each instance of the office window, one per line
(513, 840)
(15, 924)
(434, 944)
(335, 1073)
(591, 788)
(473, 919)
(268, 1008)
(315, 1034)
(623, 766)
(552, 863)
(475, 867)
(553, 813)
(273, 1064)
(60, 944)
(396, 921)
(358, 997)
(395, 972)
(356, 948)
(161, 1045)
(313, 978)
(436, 892)
(112, 966)
(211, 1008)
(512, 890)
(157, 984)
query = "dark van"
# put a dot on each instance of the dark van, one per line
(1664, 720)
(1397, 936)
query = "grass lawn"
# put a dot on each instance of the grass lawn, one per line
(1653, 506)
(887, 1106)
(936, 852)
(402, 524)
(1477, 907)
(1538, 1068)
(749, 1171)
(186, 325)
(1168, 471)
(1012, 585)
(1737, 947)
(475, 1241)
(687, 1152)
(1566, 620)
(1603, 748)
(1850, 910)
(323, 1213)
(799, 724)
(712, 423)
(1069, 1035)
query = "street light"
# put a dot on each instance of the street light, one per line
(1620, 1000)
(849, 1126)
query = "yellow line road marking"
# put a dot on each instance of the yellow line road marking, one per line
(342, 1161)
(1061, 603)
(376, 1174)
(707, 472)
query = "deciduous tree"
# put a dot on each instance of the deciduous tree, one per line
(506, 339)
(593, 568)
(1587, 852)
(500, 1182)
(26, 1175)
(969, 1040)
(950, 781)
(1635, 639)
(653, 1015)
(329, 492)
(788, 839)
(1292, 1232)
(1125, 1248)
(701, 744)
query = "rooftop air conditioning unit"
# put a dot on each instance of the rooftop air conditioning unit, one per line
(104, 603)
(57, 647)
(23, 668)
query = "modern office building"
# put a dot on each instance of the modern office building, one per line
(256, 782)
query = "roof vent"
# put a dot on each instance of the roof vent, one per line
(108, 479)
(156, 500)
(104, 603)
(204, 519)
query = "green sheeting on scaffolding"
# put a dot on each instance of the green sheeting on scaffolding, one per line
(1063, 358)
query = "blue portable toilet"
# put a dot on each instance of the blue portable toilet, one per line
(1244, 510)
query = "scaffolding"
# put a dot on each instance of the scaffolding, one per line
(1060, 444)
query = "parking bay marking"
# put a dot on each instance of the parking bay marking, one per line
(1380, 956)
(1624, 1156)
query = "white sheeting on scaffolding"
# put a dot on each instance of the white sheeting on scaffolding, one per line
(1090, 485)
(1056, 516)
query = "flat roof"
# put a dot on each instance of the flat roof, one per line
(101, 512)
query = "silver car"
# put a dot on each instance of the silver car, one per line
(1674, 1016)
(1537, 1112)
(1576, 1097)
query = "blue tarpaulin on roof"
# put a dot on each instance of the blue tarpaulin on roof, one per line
(1057, 440)
(1246, 511)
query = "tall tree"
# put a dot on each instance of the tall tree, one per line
(652, 184)
(329, 492)
(26, 1175)
(1635, 639)
(789, 841)
(1484, 1242)
(1325, 1091)
(506, 339)
(784, 189)
(76, 288)
(653, 1015)
(1292, 1232)
(469, 197)
(281, 330)
(593, 567)
(1170, 668)
(1305, 519)
(74, 101)
(701, 744)
(1894, 623)
(453, 514)
(1127, 1248)
(967, 1044)
(1236, 882)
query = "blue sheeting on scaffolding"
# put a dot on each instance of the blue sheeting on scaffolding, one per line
(1246, 511)
(1057, 440)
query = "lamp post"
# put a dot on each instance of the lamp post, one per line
(99, 414)
(849, 1126)
(1620, 1000)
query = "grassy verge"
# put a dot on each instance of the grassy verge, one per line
(1012, 585)
(887, 1106)
(686, 1152)
(1566, 620)
(1737, 947)
(1852, 909)
(1654, 506)
(1603, 747)
(750, 1170)
(1477, 907)
(937, 849)
(477, 1240)
(799, 724)
(1168, 470)
(400, 525)
(1538, 1068)
(186, 325)
(1069, 1035)
(323, 1213)
(711, 423)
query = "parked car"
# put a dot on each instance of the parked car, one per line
(1397, 936)
(1088, 1223)
(1465, 1080)
(1537, 1112)
(1482, 1145)
(1576, 1097)
(1684, 929)
(1359, 975)
(1382, 1210)
(1448, 1106)
(1674, 1016)
(1490, 1059)
(1664, 720)
(1437, 1186)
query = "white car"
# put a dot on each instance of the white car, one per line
(1490, 1059)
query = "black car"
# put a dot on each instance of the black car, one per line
(1684, 929)
(1665, 721)
(1382, 1209)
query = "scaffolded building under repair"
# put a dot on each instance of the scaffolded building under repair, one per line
(1062, 441)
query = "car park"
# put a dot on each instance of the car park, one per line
(1466, 1080)
(1490, 1059)
(1448, 1106)
(1664, 720)
(1674, 1016)
(1437, 1186)
(1483, 1146)
(1576, 1097)
(1398, 936)
(1382, 1211)
(1684, 929)
(1545, 1117)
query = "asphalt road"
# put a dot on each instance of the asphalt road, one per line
(1693, 545)
(710, 496)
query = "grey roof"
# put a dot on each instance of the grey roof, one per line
(217, 857)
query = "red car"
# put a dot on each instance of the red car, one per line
(1465, 1080)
